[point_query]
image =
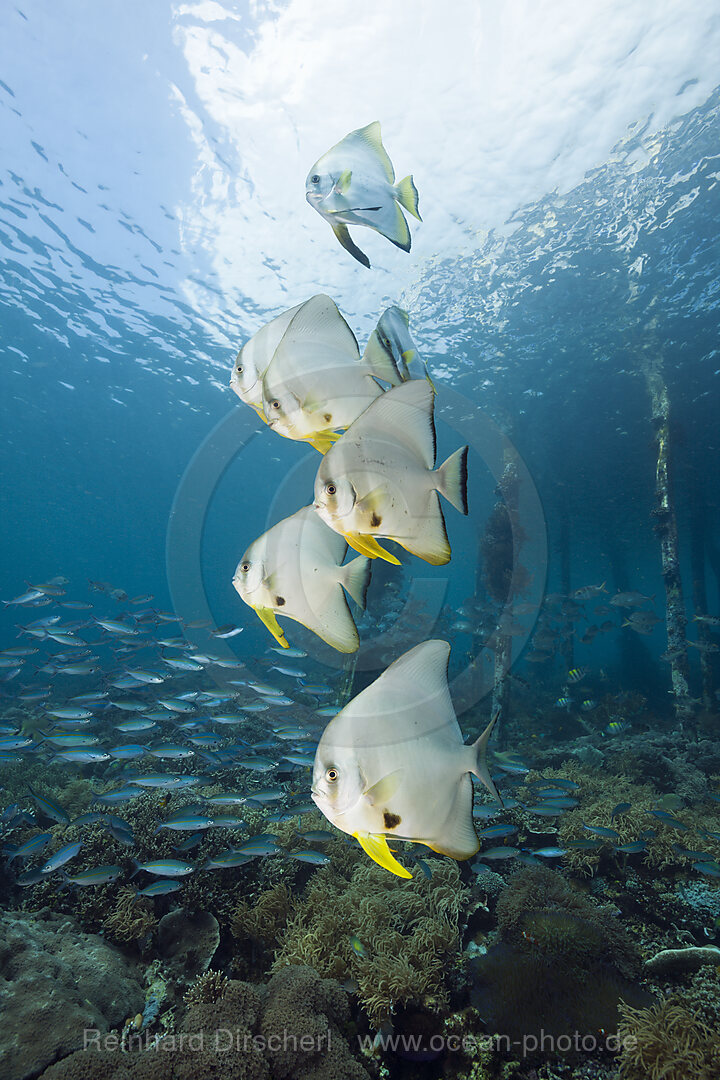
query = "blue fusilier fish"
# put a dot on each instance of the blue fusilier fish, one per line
(29, 847)
(227, 860)
(164, 868)
(50, 808)
(99, 875)
(315, 858)
(62, 856)
(160, 888)
(354, 184)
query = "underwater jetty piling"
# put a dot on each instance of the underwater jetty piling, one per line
(665, 527)
(697, 562)
(345, 689)
(498, 554)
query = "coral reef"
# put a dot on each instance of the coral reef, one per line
(55, 982)
(256, 925)
(562, 964)
(396, 943)
(598, 798)
(132, 917)
(292, 1029)
(669, 962)
(188, 941)
(207, 988)
(667, 1042)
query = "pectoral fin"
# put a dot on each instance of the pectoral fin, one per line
(377, 848)
(343, 182)
(371, 503)
(383, 791)
(368, 545)
(268, 617)
(344, 237)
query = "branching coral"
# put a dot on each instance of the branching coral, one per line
(131, 919)
(667, 1042)
(407, 934)
(207, 989)
(599, 795)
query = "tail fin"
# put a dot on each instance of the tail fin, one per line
(406, 194)
(355, 577)
(452, 479)
(136, 864)
(480, 748)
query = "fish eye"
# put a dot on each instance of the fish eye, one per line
(330, 489)
(245, 567)
(331, 775)
(239, 369)
(274, 404)
(315, 179)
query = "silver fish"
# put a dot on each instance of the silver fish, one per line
(316, 384)
(294, 569)
(354, 184)
(380, 479)
(393, 763)
(255, 355)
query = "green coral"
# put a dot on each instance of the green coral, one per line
(598, 796)
(667, 1041)
(408, 934)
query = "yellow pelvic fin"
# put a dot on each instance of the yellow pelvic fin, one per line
(267, 616)
(368, 545)
(259, 410)
(377, 848)
(323, 440)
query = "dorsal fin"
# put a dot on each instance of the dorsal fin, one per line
(405, 414)
(370, 136)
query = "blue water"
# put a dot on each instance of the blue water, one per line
(121, 316)
(152, 218)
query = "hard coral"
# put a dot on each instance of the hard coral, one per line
(292, 1029)
(55, 982)
(408, 934)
